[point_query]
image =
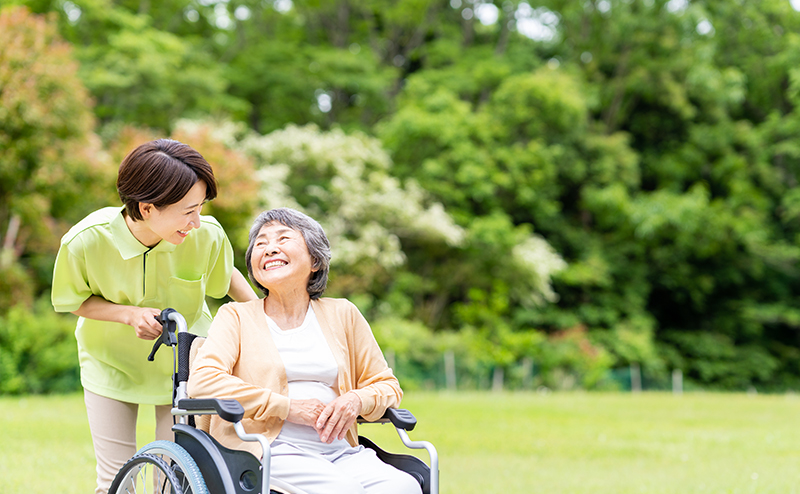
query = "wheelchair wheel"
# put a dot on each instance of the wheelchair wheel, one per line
(145, 473)
(182, 464)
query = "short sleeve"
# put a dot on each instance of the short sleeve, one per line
(221, 268)
(70, 283)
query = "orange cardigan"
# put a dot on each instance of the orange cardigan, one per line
(239, 360)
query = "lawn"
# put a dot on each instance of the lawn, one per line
(576, 443)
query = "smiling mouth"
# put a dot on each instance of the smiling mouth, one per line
(184, 233)
(275, 264)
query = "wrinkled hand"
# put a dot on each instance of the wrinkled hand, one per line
(143, 320)
(337, 417)
(305, 412)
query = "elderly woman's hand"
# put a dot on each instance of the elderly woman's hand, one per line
(305, 412)
(338, 416)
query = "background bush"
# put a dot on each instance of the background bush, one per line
(37, 351)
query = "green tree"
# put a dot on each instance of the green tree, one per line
(138, 73)
(650, 144)
(50, 159)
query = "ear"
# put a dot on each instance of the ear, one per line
(145, 209)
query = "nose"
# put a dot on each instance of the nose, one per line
(267, 247)
(195, 221)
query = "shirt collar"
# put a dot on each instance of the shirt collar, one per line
(129, 247)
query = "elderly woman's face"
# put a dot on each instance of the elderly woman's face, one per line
(280, 259)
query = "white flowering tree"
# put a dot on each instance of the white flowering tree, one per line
(389, 239)
(397, 253)
(345, 182)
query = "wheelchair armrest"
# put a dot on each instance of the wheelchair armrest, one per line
(229, 410)
(399, 417)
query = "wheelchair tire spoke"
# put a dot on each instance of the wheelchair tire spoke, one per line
(146, 474)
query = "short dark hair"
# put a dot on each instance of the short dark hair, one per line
(161, 172)
(318, 246)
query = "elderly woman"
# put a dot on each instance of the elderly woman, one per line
(303, 367)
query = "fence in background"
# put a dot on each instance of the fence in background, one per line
(449, 374)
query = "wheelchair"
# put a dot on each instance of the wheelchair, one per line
(195, 463)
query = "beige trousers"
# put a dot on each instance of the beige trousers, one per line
(113, 427)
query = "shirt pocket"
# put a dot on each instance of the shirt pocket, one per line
(187, 297)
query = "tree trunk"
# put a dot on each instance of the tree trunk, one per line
(8, 254)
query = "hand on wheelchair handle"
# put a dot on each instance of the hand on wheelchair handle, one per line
(145, 323)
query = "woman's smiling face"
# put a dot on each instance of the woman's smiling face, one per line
(174, 222)
(280, 258)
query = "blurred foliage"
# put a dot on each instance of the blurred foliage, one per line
(37, 350)
(51, 162)
(584, 184)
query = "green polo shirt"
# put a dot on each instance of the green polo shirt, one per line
(100, 256)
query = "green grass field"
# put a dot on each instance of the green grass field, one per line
(572, 443)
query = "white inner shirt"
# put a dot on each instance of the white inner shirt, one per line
(311, 372)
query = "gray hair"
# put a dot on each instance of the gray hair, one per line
(314, 236)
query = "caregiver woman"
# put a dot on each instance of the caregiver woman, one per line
(119, 267)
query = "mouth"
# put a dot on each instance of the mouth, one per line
(183, 233)
(275, 264)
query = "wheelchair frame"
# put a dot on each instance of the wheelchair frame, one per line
(198, 462)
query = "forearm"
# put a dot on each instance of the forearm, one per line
(377, 397)
(101, 309)
(141, 319)
(240, 289)
(259, 403)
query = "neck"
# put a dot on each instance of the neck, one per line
(287, 310)
(142, 233)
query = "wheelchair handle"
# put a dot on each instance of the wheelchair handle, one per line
(171, 321)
